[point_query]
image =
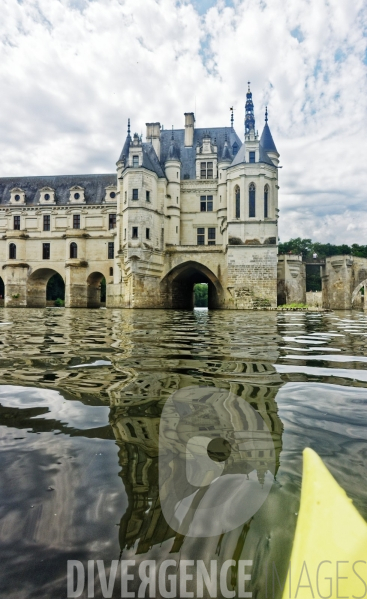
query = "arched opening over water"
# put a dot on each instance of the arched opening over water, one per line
(2, 291)
(37, 287)
(177, 287)
(96, 290)
(55, 289)
(359, 295)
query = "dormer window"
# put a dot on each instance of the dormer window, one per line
(77, 195)
(110, 194)
(235, 148)
(135, 161)
(251, 157)
(47, 195)
(206, 170)
(17, 196)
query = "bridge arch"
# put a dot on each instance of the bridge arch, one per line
(94, 281)
(37, 286)
(177, 287)
(361, 285)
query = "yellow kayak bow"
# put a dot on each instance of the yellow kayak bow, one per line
(329, 555)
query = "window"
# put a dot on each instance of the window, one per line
(147, 196)
(211, 236)
(12, 251)
(124, 233)
(176, 229)
(46, 222)
(147, 233)
(251, 197)
(201, 236)
(73, 250)
(206, 203)
(135, 194)
(251, 156)
(238, 201)
(125, 197)
(177, 200)
(76, 221)
(46, 251)
(235, 148)
(112, 194)
(76, 196)
(135, 233)
(206, 170)
(47, 196)
(16, 223)
(111, 271)
(111, 250)
(135, 160)
(112, 221)
(266, 201)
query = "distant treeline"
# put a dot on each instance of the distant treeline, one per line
(307, 247)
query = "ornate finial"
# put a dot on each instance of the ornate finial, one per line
(172, 138)
(266, 114)
(232, 116)
(128, 126)
(248, 83)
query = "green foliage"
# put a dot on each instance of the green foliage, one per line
(201, 295)
(59, 302)
(306, 247)
(55, 288)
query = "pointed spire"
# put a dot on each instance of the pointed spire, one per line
(125, 150)
(172, 136)
(232, 116)
(249, 116)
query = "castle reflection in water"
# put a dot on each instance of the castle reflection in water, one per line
(135, 415)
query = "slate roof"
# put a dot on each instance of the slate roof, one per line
(93, 185)
(267, 141)
(263, 156)
(150, 160)
(188, 155)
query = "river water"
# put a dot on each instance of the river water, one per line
(81, 398)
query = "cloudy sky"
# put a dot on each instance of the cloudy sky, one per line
(73, 71)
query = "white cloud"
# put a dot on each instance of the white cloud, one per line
(72, 72)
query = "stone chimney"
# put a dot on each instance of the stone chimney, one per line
(154, 137)
(189, 129)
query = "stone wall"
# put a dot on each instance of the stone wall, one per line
(291, 287)
(252, 277)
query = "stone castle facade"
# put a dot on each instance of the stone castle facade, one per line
(185, 206)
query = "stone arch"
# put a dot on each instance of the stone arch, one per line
(176, 287)
(94, 289)
(37, 285)
(357, 290)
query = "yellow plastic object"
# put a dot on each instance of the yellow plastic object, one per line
(329, 531)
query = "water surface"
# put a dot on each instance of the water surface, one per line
(81, 394)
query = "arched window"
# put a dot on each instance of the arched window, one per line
(251, 198)
(73, 250)
(237, 196)
(12, 251)
(266, 201)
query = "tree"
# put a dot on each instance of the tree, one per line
(201, 295)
